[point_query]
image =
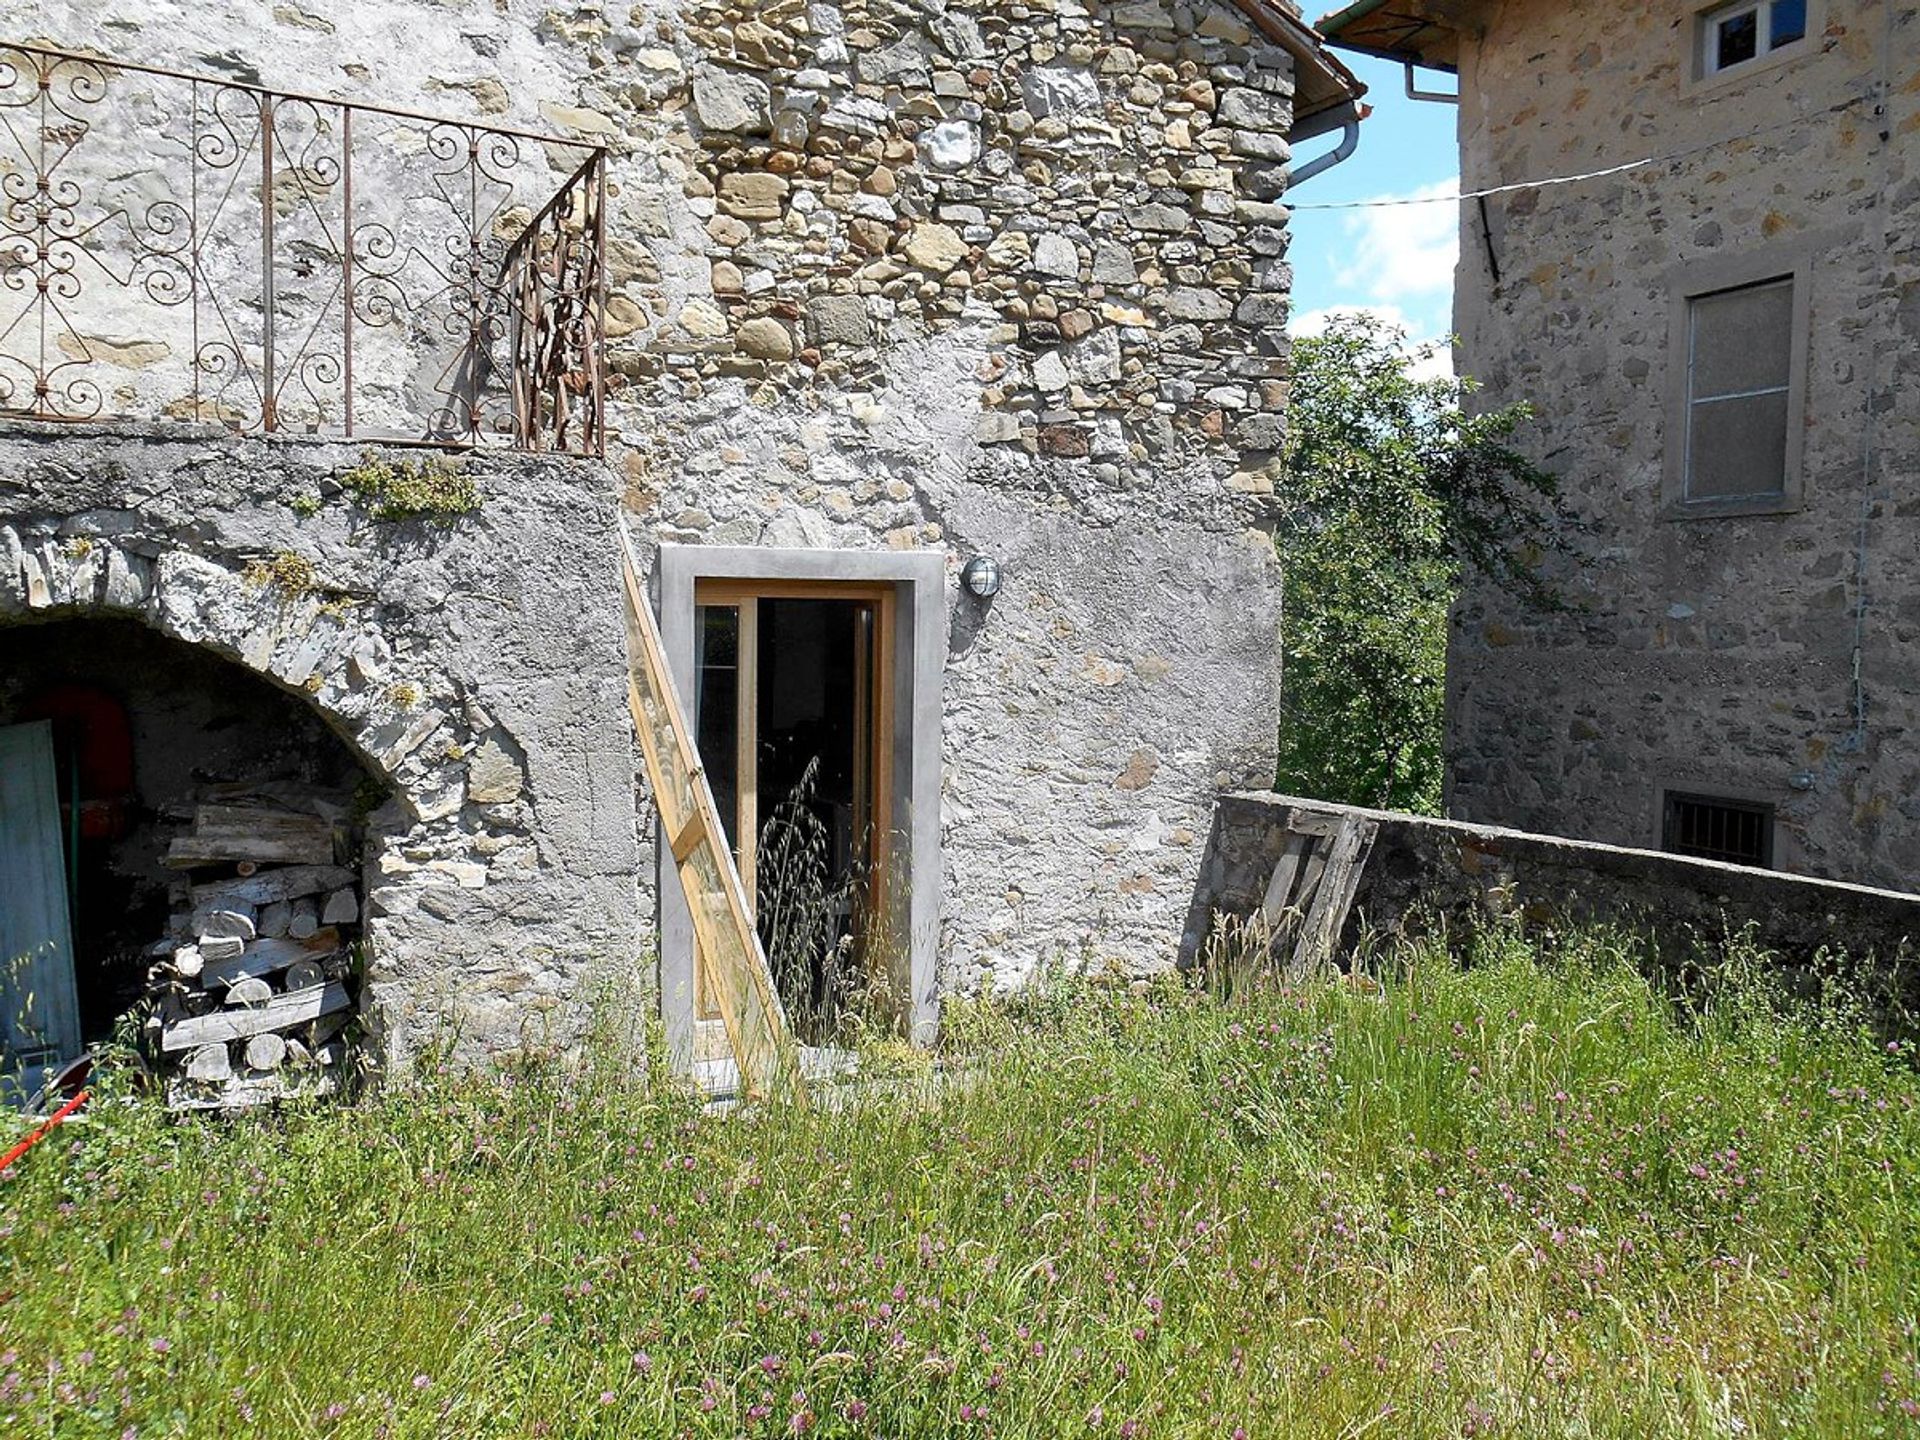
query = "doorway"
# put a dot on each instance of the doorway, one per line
(898, 934)
(794, 722)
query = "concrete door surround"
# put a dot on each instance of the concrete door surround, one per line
(920, 651)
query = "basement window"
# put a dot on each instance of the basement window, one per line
(1708, 827)
(1737, 35)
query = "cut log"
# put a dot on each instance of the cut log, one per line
(266, 1052)
(248, 1092)
(263, 957)
(221, 947)
(304, 918)
(282, 1012)
(342, 908)
(209, 1064)
(249, 991)
(275, 918)
(225, 924)
(304, 975)
(188, 961)
(270, 885)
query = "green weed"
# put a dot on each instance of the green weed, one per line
(1519, 1197)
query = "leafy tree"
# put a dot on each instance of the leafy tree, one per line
(1396, 491)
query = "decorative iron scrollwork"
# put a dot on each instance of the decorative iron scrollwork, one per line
(284, 263)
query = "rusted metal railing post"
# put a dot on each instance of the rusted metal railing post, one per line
(267, 394)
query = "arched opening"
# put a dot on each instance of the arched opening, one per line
(208, 828)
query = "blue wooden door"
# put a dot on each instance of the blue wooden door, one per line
(39, 1012)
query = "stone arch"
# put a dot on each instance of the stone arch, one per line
(445, 761)
(411, 728)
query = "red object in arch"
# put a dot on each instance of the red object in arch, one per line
(93, 727)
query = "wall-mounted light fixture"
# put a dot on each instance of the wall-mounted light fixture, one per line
(981, 577)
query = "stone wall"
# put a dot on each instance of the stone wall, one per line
(1772, 657)
(1423, 872)
(501, 875)
(971, 277)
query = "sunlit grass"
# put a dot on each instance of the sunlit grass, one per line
(1515, 1198)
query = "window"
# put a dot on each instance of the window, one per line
(1739, 832)
(1736, 35)
(1739, 390)
(1736, 382)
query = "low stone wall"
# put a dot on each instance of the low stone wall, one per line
(1420, 869)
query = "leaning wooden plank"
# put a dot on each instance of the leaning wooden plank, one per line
(726, 942)
(1306, 891)
(282, 1012)
(1278, 902)
(264, 957)
(1327, 917)
(271, 885)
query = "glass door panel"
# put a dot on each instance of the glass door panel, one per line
(791, 726)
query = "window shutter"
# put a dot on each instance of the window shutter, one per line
(1739, 380)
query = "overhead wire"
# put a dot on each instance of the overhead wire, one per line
(1379, 202)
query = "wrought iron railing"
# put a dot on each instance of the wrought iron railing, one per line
(180, 246)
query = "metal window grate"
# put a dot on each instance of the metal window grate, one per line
(1738, 832)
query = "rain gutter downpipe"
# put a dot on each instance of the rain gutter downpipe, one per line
(1347, 118)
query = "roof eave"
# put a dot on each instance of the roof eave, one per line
(1322, 80)
(1402, 31)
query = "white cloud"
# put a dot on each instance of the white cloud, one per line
(1436, 363)
(1402, 252)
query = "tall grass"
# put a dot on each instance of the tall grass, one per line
(1512, 1199)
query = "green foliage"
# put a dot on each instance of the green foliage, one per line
(431, 489)
(1519, 1199)
(290, 574)
(1395, 491)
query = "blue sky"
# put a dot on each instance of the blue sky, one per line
(1397, 261)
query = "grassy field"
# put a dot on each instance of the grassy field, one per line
(1516, 1199)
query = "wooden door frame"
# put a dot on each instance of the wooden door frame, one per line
(920, 591)
(745, 596)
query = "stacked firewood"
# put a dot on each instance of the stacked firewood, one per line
(253, 990)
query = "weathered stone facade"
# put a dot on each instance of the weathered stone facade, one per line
(1773, 657)
(499, 875)
(884, 276)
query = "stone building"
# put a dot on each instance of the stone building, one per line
(1723, 347)
(884, 288)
